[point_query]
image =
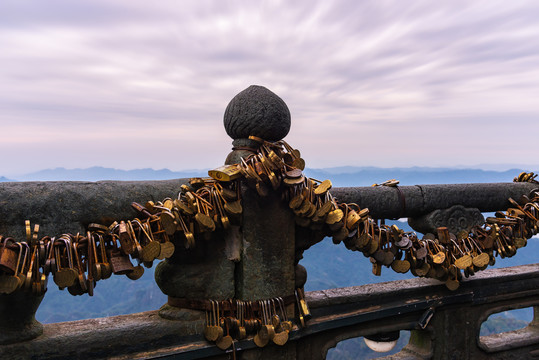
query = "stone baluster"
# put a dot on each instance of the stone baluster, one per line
(255, 260)
(266, 268)
(17, 317)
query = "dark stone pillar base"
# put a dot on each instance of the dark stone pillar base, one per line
(17, 317)
(198, 274)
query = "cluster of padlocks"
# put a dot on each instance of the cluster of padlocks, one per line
(229, 320)
(77, 262)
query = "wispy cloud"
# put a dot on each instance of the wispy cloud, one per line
(128, 84)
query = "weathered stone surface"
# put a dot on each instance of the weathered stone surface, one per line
(17, 317)
(117, 336)
(456, 218)
(266, 269)
(257, 111)
(173, 313)
(506, 341)
(271, 352)
(235, 156)
(384, 202)
(200, 273)
(241, 149)
(68, 206)
(60, 207)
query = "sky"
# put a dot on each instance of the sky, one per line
(135, 84)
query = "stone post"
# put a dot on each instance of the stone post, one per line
(264, 263)
(17, 317)
(252, 261)
(266, 268)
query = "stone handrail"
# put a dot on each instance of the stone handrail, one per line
(69, 206)
(384, 203)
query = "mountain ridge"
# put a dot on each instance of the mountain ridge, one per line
(340, 176)
(96, 173)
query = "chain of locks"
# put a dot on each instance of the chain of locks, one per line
(77, 262)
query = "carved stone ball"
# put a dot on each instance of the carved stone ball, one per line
(257, 111)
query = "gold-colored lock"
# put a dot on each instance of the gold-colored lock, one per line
(225, 173)
(8, 256)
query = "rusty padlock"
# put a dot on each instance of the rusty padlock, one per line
(8, 255)
(120, 263)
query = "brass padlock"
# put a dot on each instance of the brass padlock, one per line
(8, 256)
(127, 243)
(225, 173)
(303, 307)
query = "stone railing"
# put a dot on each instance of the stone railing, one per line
(452, 332)
(261, 261)
(338, 314)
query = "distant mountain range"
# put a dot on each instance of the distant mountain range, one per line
(97, 173)
(366, 176)
(340, 176)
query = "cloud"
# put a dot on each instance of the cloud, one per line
(120, 74)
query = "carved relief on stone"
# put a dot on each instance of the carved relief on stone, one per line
(455, 218)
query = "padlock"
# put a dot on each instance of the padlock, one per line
(8, 256)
